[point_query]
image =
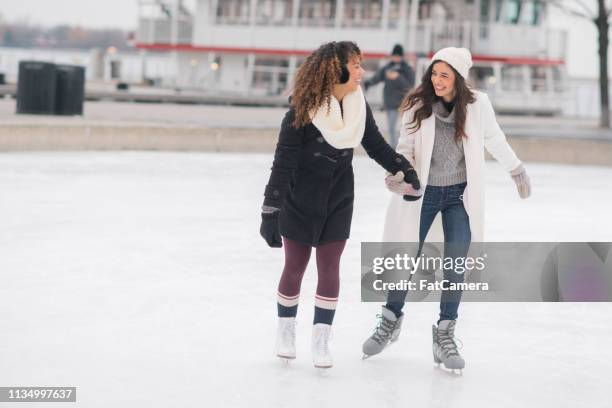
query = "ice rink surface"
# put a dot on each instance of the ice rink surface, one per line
(141, 279)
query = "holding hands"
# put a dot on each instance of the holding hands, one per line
(409, 186)
(406, 185)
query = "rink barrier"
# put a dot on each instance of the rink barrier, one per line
(21, 137)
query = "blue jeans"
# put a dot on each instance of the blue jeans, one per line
(457, 236)
(392, 115)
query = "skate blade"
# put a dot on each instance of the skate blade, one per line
(366, 356)
(286, 359)
(323, 367)
(453, 371)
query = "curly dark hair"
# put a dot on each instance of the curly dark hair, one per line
(316, 77)
(425, 96)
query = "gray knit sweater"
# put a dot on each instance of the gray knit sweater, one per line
(447, 160)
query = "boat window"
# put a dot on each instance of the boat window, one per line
(485, 5)
(538, 78)
(270, 75)
(360, 13)
(482, 78)
(512, 78)
(274, 12)
(513, 11)
(499, 5)
(394, 13)
(530, 12)
(233, 11)
(557, 77)
(537, 12)
(317, 13)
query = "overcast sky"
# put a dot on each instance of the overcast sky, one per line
(88, 13)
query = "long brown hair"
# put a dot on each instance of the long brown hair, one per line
(425, 96)
(316, 77)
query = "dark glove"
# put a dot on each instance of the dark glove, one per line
(269, 230)
(410, 177)
(411, 198)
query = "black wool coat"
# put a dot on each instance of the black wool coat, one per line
(312, 182)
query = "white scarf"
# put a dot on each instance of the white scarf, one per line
(342, 131)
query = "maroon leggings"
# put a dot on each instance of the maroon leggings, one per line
(328, 268)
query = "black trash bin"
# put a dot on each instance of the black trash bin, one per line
(70, 90)
(36, 87)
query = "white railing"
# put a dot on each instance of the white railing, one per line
(491, 39)
(156, 30)
(481, 38)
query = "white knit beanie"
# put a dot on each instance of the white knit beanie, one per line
(458, 58)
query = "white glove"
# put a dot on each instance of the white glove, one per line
(396, 184)
(521, 179)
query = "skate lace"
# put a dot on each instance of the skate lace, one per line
(383, 330)
(323, 343)
(446, 340)
(288, 332)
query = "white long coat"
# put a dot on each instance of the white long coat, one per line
(403, 217)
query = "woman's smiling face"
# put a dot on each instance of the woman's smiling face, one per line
(355, 73)
(443, 80)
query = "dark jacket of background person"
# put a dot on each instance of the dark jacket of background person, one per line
(394, 90)
(312, 181)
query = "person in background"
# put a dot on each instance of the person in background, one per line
(399, 80)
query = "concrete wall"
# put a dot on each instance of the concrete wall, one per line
(24, 137)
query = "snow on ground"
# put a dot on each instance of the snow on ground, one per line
(140, 278)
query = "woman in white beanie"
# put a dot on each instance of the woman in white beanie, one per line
(445, 128)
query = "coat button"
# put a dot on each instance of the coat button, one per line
(398, 160)
(320, 139)
(344, 153)
(317, 154)
(276, 193)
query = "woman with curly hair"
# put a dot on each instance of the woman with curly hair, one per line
(445, 128)
(309, 196)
